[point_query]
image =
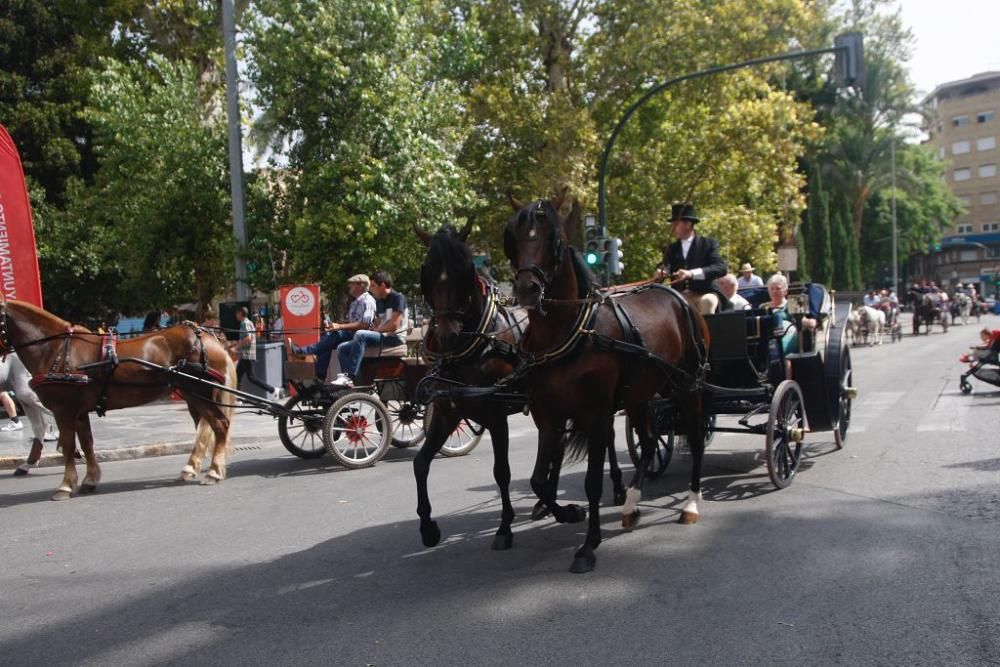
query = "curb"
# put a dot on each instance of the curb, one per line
(120, 454)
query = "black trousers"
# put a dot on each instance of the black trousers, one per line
(245, 367)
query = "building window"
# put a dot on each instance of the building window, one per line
(963, 174)
(960, 121)
(960, 147)
(987, 170)
(991, 226)
(989, 198)
(964, 229)
(986, 143)
(965, 200)
(985, 116)
(941, 153)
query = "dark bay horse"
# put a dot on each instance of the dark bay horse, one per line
(57, 353)
(594, 353)
(465, 316)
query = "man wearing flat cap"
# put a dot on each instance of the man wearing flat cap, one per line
(359, 316)
(692, 262)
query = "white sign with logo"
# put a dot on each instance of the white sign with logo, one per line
(299, 301)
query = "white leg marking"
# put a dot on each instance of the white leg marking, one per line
(691, 505)
(632, 497)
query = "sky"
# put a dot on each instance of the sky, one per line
(954, 39)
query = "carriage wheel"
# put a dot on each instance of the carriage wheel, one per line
(844, 391)
(462, 440)
(785, 430)
(357, 430)
(407, 423)
(302, 436)
(661, 455)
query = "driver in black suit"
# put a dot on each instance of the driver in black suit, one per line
(692, 261)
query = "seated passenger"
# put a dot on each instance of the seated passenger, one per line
(359, 316)
(388, 329)
(728, 286)
(784, 323)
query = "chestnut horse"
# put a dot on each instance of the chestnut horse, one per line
(594, 353)
(71, 380)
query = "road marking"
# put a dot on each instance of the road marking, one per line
(871, 407)
(949, 414)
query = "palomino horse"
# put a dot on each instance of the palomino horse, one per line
(71, 380)
(594, 353)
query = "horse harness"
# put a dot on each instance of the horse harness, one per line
(60, 372)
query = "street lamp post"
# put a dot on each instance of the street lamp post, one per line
(895, 260)
(235, 148)
(849, 71)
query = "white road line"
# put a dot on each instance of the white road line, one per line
(949, 414)
(871, 407)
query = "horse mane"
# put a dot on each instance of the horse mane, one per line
(585, 279)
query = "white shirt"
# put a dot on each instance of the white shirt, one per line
(696, 274)
(739, 303)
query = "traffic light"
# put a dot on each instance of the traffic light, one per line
(937, 247)
(592, 247)
(614, 256)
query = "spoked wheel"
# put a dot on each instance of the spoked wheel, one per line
(302, 435)
(785, 431)
(407, 420)
(462, 440)
(661, 455)
(845, 395)
(357, 430)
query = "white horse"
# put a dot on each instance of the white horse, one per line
(14, 376)
(964, 306)
(871, 321)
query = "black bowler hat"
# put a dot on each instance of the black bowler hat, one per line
(683, 212)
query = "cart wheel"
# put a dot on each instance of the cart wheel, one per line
(462, 440)
(302, 436)
(407, 423)
(661, 455)
(845, 389)
(965, 386)
(357, 430)
(785, 428)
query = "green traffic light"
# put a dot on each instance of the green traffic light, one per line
(591, 258)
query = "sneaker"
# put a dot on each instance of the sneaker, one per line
(965, 359)
(293, 349)
(51, 436)
(343, 380)
(12, 426)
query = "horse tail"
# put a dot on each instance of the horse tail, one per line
(574, 443)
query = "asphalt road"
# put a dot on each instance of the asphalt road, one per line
(885, 553)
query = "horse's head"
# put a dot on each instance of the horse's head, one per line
(535, 244)
(450, 286)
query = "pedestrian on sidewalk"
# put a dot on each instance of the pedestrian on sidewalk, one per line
(14, 376)
(246, 347)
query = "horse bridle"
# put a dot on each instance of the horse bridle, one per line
(544, 277)
(478, 336)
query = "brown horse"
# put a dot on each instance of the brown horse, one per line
(593, 354)
(71, 380)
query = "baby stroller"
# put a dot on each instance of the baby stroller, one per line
(984, 366)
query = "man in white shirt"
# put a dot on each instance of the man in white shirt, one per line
(748, 278)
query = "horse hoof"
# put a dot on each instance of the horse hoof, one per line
(630, 521)
(88, 487)
(20, 472)
(186, 477)
(62, 495)
(688, 518)
(575, 514)
(583, 564)
(539, 511)
(503, 542)
(430, 534)
(210, 481)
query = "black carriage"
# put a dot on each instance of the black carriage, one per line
(356, 425)
(747, 378)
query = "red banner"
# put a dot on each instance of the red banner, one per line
(19, 278)
(300, 313)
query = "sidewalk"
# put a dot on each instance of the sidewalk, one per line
(156, 429)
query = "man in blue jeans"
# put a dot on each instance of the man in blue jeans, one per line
(359, 316)
(388, 330)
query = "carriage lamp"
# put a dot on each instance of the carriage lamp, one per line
(797, 434)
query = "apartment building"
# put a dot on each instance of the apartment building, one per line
(965, 130)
